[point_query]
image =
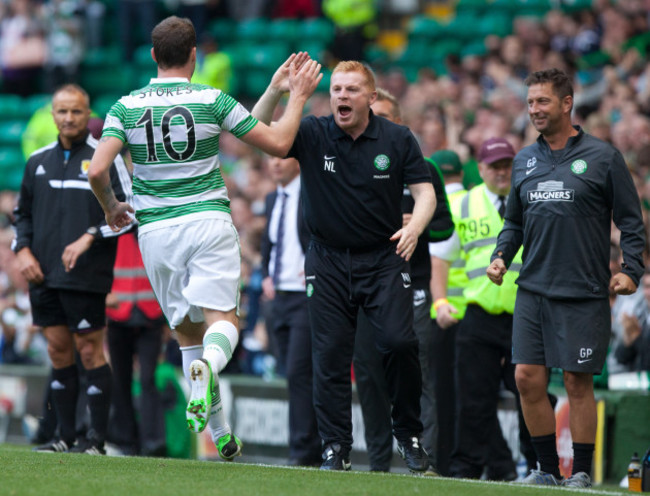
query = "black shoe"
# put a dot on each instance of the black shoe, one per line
(88, 447)
(333, 459)
(414, 454)
(55, 446)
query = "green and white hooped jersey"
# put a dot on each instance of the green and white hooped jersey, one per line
(172, 128)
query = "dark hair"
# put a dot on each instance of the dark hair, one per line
(173, 39)
(72, 88)
(560, 82)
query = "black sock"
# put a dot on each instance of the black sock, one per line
(65, 389)
(547, 456)
(583, 454)
(99, 401)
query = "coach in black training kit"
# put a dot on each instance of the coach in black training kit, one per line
(353, 170)
(66, 252)
(567, 187)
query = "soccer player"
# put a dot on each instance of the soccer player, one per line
(189, 245)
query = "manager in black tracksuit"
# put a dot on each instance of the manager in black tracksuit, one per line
(353, 169)
(566, 189)
(66, 252)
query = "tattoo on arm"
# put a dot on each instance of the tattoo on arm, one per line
(108, 196)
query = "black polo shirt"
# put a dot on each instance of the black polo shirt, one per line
(352, 189)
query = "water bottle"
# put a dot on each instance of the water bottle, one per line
(634, 474)
(645, 472)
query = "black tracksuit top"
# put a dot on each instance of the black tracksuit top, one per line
(56, 206)
(352, 189)
(560, 207)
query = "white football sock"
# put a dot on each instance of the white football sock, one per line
(189, 354)
(217, 421)
(219, 344)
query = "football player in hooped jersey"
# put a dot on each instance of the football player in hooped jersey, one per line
(566, 188)
(189, 245)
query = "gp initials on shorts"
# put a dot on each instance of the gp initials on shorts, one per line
(585, 355)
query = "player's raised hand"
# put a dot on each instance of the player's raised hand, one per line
(304, 80)
(280, 80)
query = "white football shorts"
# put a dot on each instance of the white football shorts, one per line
(193, 266)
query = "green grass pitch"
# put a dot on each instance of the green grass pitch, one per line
(25, 473)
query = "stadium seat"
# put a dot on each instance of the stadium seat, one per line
(316, 29)
(462, 27)
(102, 57)
(12, 165)
(103, 103)
(474, 48)
(142, 59)
(11, 107)
(269, 55)
(417, 52)
(441, 48)
(421, 27)
(11, 132)
(252, 30)
(315, 49)
(497, 23)
(376, 55)
(570, 6)
(476, 7)
(99, 81)
(324, 85)
(34, 102)
(534, 8)
(285, 30)
(223, 31)
(254, 82)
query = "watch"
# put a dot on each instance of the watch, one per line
(93, 231)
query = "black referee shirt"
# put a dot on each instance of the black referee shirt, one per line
(352, 189)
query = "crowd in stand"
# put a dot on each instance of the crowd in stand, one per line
(605, 49)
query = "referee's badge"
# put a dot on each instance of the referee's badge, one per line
(382, 162)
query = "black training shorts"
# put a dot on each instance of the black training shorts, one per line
(81, 311)
(572, 335)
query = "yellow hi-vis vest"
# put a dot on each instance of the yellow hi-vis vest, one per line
(478, 226)
(457, 280)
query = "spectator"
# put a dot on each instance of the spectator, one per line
(65, 42)
(284, 245)
(634, 349)
(22, 48)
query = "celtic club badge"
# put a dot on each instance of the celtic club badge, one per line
(382, 162)
(310, 290)
(578, 166)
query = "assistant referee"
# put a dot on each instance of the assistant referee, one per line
(354, 166)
